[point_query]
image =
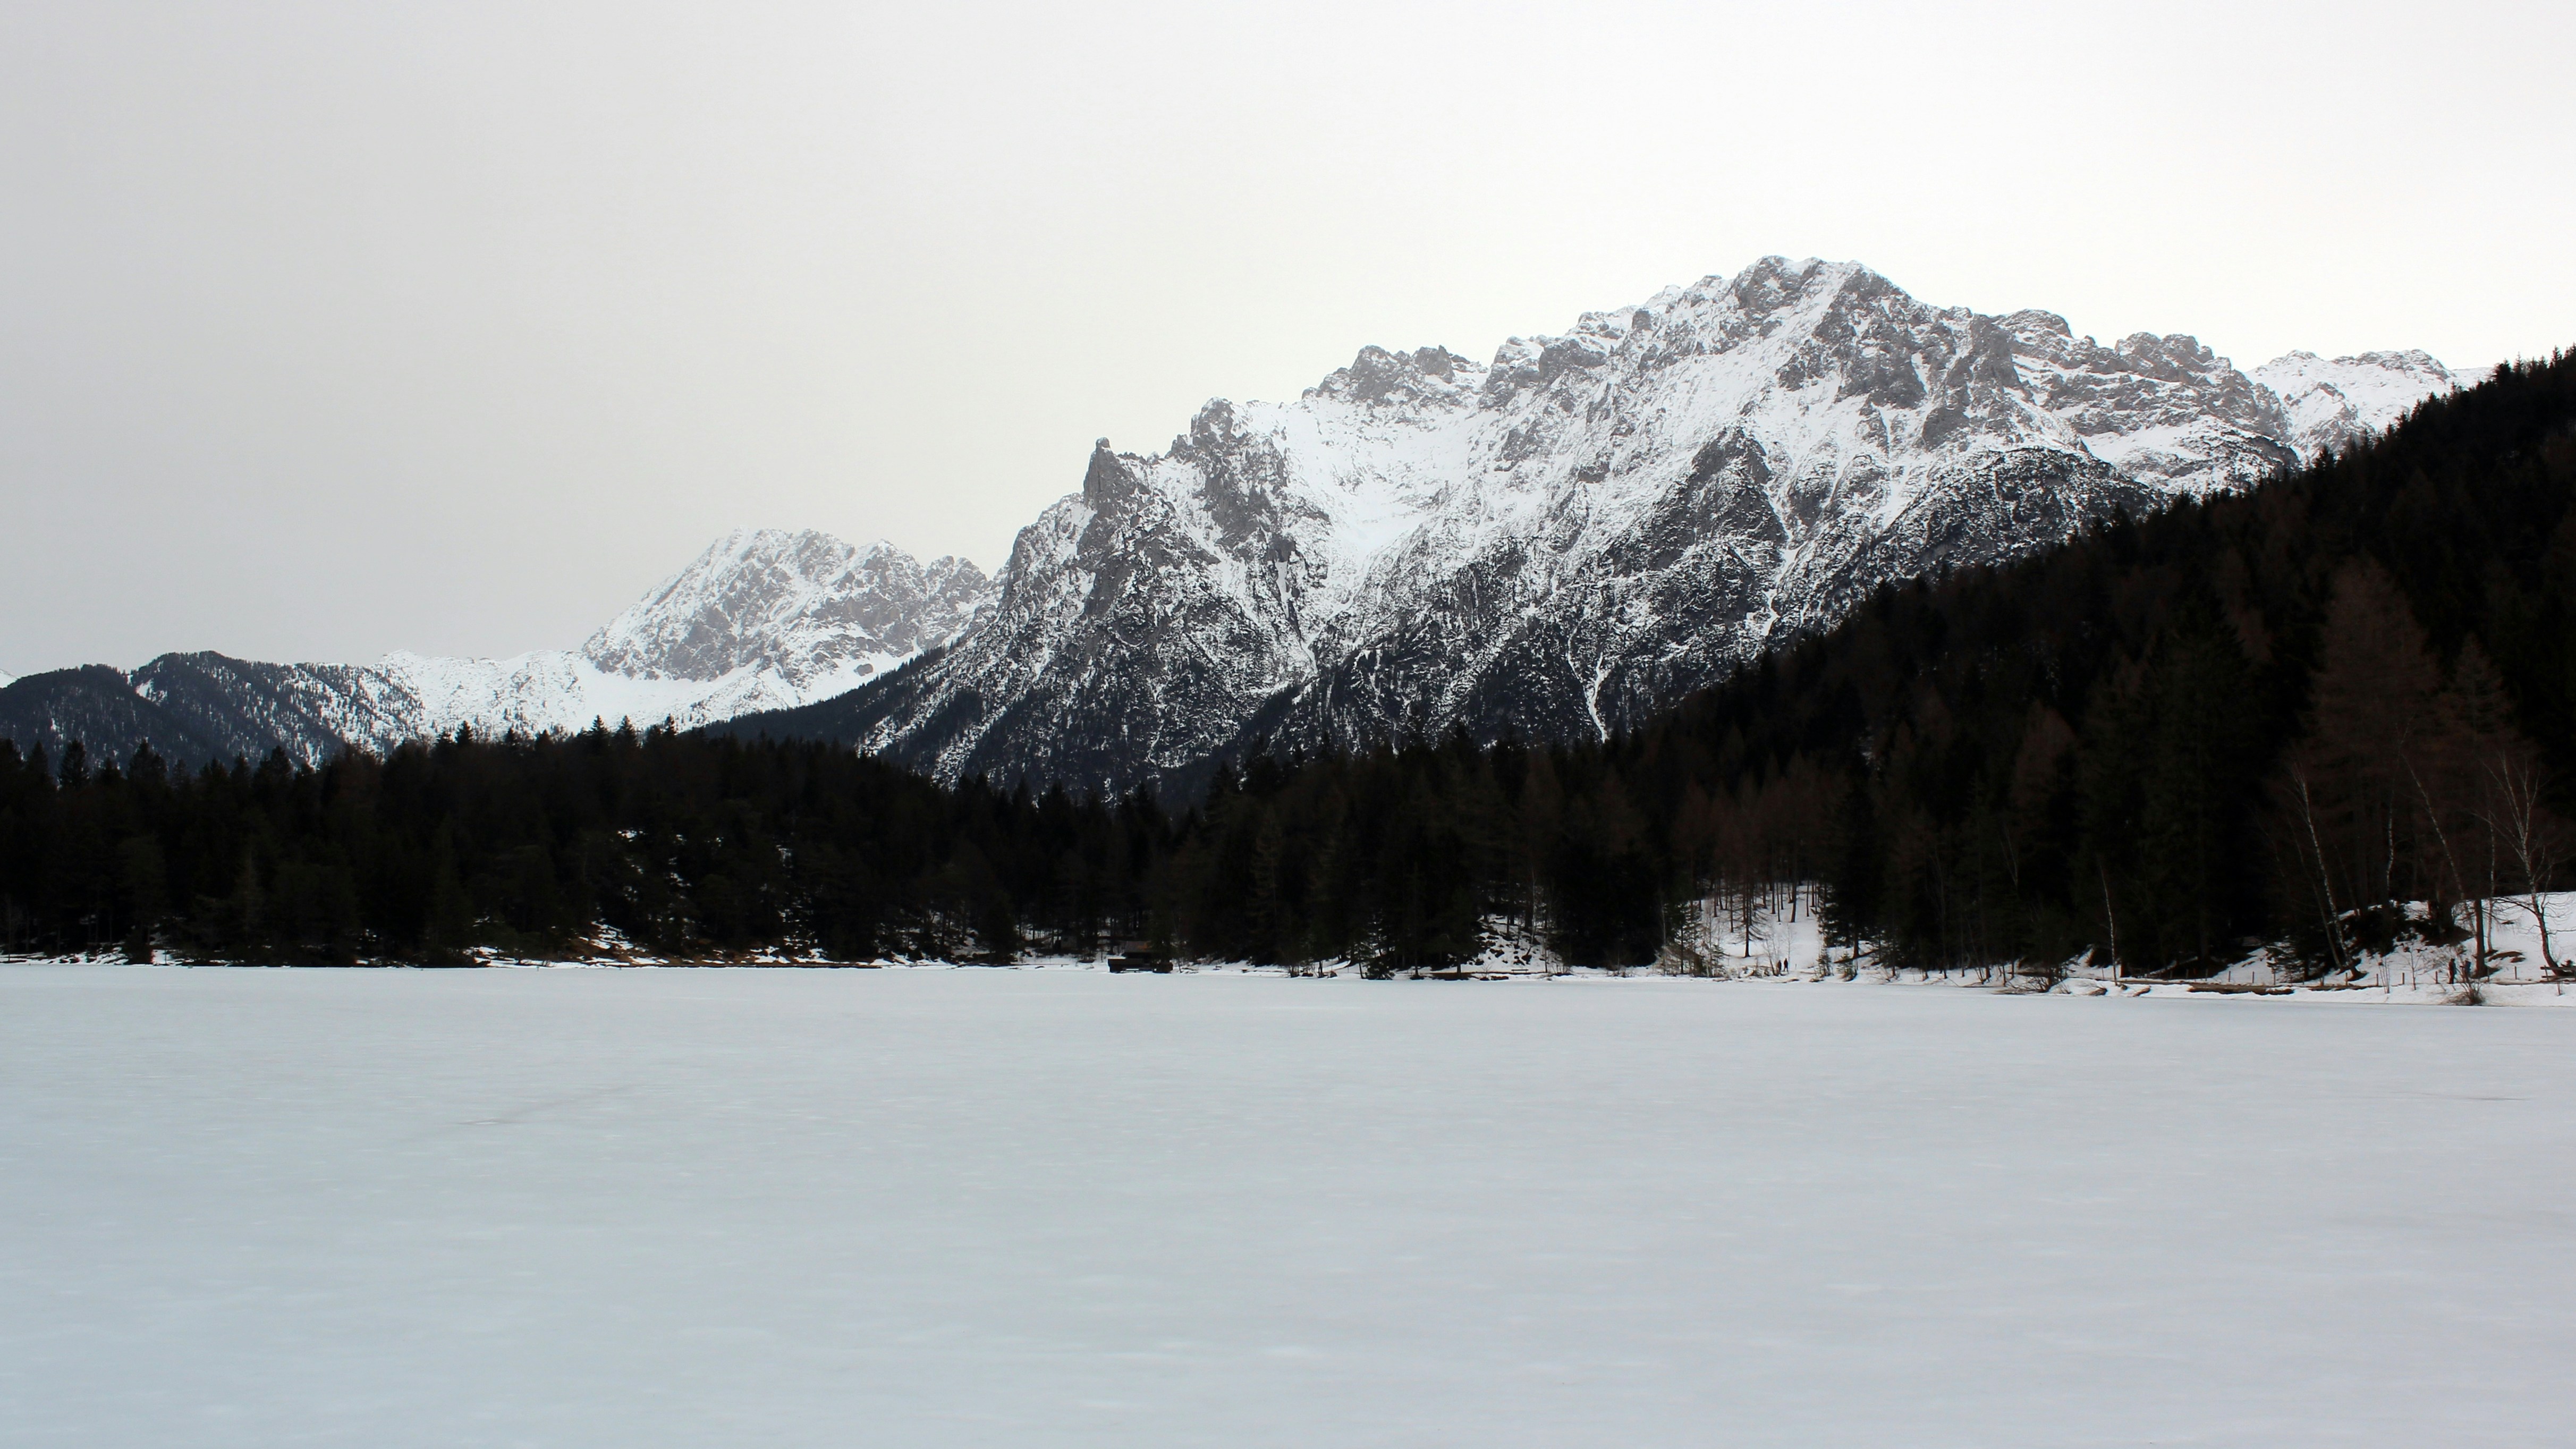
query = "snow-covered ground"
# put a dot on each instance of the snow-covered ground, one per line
(669, 1207)
(1779, 936)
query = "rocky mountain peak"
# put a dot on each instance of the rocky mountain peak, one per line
(2329, 403)
(797, 603)
(1380, 376)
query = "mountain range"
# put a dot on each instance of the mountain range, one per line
(1552, 543)
(763, 619)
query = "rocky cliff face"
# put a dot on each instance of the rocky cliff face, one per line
(1564, 538)
(805, 608)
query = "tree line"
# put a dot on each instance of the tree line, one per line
(2268, 717)
(686, 846)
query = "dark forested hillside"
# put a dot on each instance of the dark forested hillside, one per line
(2261, 717)
(95, 703)
(2245, 717)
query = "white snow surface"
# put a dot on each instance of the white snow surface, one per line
(640, 1208)
(558, 689)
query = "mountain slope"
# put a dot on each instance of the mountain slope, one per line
(98, 707)
(1557, 541)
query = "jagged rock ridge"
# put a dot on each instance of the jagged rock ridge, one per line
(803, 607)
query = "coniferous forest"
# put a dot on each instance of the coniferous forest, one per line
(2266, 717)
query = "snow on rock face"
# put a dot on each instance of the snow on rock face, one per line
(799, 605)
(2162, 410)
(1560, 540)
(2331, 404)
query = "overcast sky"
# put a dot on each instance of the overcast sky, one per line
(337, 328)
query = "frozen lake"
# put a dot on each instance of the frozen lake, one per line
(1003, 1208)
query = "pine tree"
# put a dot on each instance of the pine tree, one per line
(2199, 777)
(2374, 715)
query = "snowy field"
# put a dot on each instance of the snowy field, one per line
(642, 1208)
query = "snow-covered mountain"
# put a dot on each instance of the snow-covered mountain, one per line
(2330, 403)
(1577, 532)
(762, 620)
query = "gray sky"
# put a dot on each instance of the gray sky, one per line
(330, 329)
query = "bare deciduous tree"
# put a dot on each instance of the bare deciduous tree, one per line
(2533, 839)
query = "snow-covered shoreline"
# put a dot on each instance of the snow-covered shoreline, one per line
(2429, 989)
(1772, 948)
